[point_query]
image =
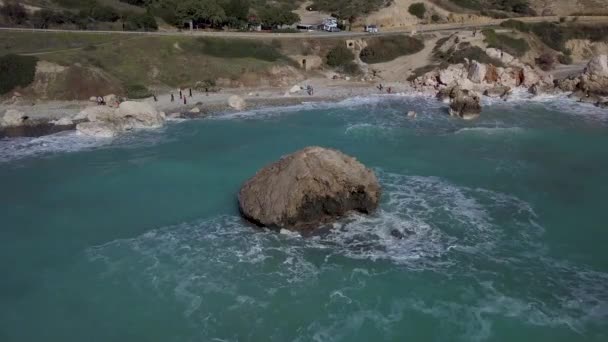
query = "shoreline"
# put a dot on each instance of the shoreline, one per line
(216, 104)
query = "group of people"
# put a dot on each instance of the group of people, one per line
(183, 96)
(389, 90)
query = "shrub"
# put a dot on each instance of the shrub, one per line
(417, 9)
(139, 22)
(513, 46)
(516, 24)
(16, 71)
(435, 18)
(339, 56)
(386, 49)
(471, 53)
(137, 91)
(564, 59)
(545, 61)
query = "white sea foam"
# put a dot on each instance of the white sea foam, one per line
(71, 141)
(490, 130)
(18, 148)
(470, 236)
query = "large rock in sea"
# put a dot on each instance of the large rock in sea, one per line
(465, 105)
(308, 189)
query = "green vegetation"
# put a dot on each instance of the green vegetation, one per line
(386, 49)
(342, 58)
(137, 91)
(339, 56)
(350, 9)
(564, 59)
(513, 46)
(16, 71)
(516, 24)
(556, 35)
(234, 48)
(417, 9)
(129, 59)
(88, 14)
(472, 53)
(519, 7)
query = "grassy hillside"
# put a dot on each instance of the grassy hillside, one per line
(153, 61)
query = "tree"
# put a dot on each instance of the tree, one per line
(16, 71)
(238, 9)
(205, 11)
(15, 12)
(278, 16)
(417, 9)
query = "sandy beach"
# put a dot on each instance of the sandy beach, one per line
(217, 102)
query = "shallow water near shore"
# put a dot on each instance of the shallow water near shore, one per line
(139, 239)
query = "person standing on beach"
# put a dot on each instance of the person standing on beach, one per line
(389, 90)
(185, 102)
(190, 90)
(180, 93)
(172, 97)
(155, 99)
(206, 91)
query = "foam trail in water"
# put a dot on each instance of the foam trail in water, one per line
(470, 236)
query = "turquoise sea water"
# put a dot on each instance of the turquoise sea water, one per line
(139, 239)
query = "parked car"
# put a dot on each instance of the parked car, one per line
(371, 29)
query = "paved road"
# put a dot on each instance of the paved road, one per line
(316, 34)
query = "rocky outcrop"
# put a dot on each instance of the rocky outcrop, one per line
(477, 72)
(65, 121)
(104, 121)
(13, 118)
(307, 189)
(237, 102)
(593, 81)
(598, 66)
(465, 104)
(479, 78)
(139, 115)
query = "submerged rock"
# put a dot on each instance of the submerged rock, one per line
(99, 129)
(498, 91)
(307, 189)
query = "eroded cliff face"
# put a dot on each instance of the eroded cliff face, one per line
(75, 82)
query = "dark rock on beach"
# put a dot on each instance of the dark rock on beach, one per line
(307, 189)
